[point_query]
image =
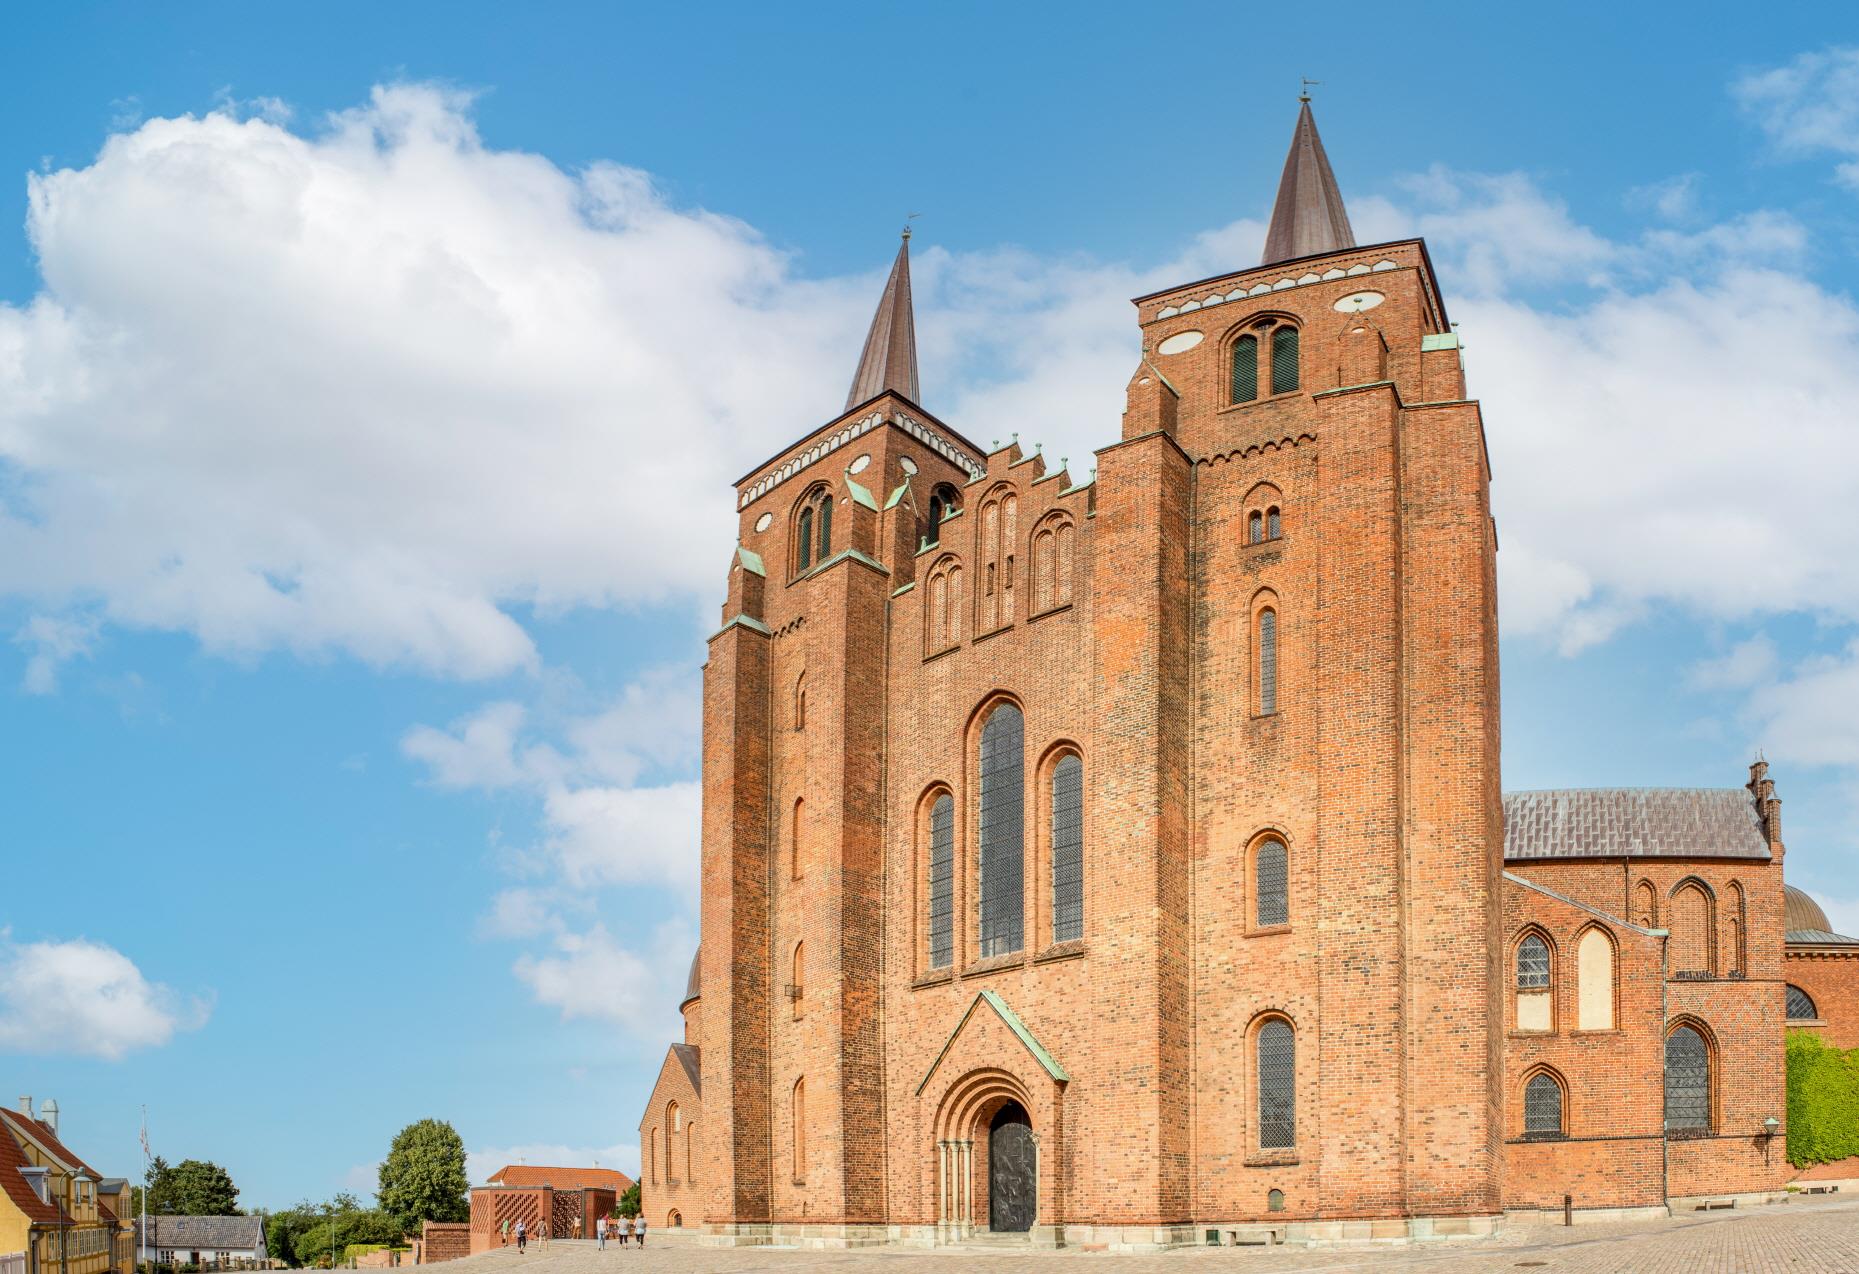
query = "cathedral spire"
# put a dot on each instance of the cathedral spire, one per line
(1308, 218)
(890, 357)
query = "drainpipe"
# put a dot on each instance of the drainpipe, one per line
(1665, 1013)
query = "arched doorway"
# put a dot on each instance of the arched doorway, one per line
(1013, 1170)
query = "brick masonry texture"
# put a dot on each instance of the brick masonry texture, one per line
(847, 1084)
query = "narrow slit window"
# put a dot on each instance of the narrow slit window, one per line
(826, 527)
(1268, 662)
(1255, 528)
(805, 536)
(1068, 849)
(1271, 524)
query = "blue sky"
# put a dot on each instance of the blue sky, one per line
(371, 380)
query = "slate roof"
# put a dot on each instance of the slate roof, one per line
(535, 1174)
(1646, 822)
(688, 1057)
(208, 1233)
(1820, 938)
(694, 985)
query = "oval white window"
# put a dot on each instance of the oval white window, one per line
(858, 466)
(1180, 343)
(906, 464)
(1356, 302)
(761, 523)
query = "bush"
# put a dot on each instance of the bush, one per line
(1823, 1100)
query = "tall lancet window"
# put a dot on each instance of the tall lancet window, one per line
(1068, 849)
(1268, 662)
(942, 882)
(826, 526)
(1284, 360)
(1002, 832)
(804, 540)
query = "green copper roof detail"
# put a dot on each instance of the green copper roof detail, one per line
(861, 495)
(1439, 340)
(855, 556)
(743, 621)
(993, 1000)
(751, 561)
(902, 589)
(898, 494)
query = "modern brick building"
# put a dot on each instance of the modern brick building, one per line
(1116, 860)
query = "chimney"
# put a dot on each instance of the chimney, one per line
(25, 1107)
(48, 1114)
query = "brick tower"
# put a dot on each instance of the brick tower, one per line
(1096, 861)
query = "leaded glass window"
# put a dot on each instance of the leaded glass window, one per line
(942, 882)
(1255, 528)
(826, 527)
(805, 536)
(1270, 875)
(1687, 1081)
(1801, 1005)
(1268, 662)
(1003, 827)
(1542, 1107)
(1277, 1048)
(1284, 360)
(1245, 369)
(1271, 524)
(1532, 964)
(1068, 849)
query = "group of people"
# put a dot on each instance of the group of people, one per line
(624, 1227)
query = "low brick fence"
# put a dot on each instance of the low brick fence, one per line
(444, 1241)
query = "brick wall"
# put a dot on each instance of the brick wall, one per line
(444, 1241)
(1832, 979)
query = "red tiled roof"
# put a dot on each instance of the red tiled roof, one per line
(15, 1186)
(49, 1139)
(528, 1174)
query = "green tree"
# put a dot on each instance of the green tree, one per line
(423, 1176)
(628, 1204)
(193, 1187)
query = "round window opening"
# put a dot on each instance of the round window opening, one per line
(906, 464)
(858, 466)
(1275, 1201)
(761, 523)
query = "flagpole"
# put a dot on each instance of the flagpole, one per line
(143, 1237)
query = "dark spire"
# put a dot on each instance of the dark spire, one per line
(890, 357)
(1308, 218)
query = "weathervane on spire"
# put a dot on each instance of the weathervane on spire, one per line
(908, 218)
(1304, 93)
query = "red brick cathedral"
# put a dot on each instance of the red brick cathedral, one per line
(1113, 860)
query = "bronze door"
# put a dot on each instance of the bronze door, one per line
(1013, 1171)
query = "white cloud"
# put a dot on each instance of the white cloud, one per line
(1745, 664)
(1809, 106)
(1812, 715)
(591, 975)
(85, 998)
(623, 1156)
(53, 641)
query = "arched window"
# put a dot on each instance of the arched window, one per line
(1277, 1054)
(804, 540)
(1255, 528)
(1284, 359)
(1687, 1081)
(673, 1220)
(1533, 995)
(652, 1155)
(943, 504)
(796, 860)
(1691, 931)
(942, 882)
(1271, 524)
(674, 1124)
(800, 1130)
(1271, 884)
(1594, 966)
(943, 620)
(690, 1151)
(797, 980)
(800, 702)
(1068, 849)
(1052, 564)
(1801, 1005)
(813, 530)
(826, 526)
(1267, 629)
(1002, 828)
(1733, 953)
(1542, 1107)
(1245, 369)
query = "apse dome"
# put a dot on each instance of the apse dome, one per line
(693, 985)
(1801, 912)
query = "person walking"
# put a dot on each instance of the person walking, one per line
(522, 1236)
(600, 1234)
(504, 1230)
(577, 1225)
(626, 1230)
(642, 1229)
